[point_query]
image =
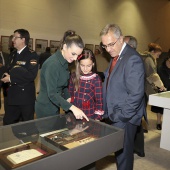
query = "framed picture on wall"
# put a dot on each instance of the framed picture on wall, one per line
(96, 47)
(30, 44)
(89, 46)
(54, 45)
(40, 45)
(5, 43)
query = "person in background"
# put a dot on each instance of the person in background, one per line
(153, 83)
(7, 59)
(54, 78)
(123, 91)
(139, 137)
(85, 86)
(44, 56)
(131, 40)
(164, 73)
(20, 75)
(3, 57)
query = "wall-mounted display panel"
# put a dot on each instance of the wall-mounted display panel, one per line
(40, 45)
(89, 46)
(54, 45)
(5, 43)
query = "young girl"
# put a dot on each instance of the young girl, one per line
(85, 86)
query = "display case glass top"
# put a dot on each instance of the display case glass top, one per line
(51, 137)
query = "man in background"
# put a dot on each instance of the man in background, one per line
(3, 62)
(132, 41)
(44, 56)
(7, 59)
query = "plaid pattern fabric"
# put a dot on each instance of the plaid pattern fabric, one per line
(89, 95)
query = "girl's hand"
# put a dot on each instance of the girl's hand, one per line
(69, 100)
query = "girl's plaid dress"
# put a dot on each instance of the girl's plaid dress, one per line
(89, 95)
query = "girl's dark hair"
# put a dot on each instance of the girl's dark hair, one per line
(70, 38)
(86, 54)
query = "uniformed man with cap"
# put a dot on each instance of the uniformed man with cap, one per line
(20, 75)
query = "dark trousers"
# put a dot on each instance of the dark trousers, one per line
(16, 113)
(139, 141)
(125, 156)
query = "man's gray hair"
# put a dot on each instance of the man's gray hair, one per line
(111, 28)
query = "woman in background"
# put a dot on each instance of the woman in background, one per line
(153, 80)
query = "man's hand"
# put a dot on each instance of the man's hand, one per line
(6, 79)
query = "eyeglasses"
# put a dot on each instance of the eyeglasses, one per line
(14, 38)
(110, 45)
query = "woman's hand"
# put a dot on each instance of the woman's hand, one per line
(162, 88)
(79, 114)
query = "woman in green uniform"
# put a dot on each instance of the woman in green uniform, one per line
(54, 77)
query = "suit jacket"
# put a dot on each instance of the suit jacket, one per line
(43, 57)
(5, 58)
(124, 96)
(23, 70)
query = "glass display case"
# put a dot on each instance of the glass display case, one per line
(57, 142)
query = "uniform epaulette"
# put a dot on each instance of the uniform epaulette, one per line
(31, 50)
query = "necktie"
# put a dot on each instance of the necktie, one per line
(113, 64)
(111, 67)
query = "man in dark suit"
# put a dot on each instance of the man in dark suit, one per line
(123, 91)
(20, 75)
(3, 61)
(44, 56)
(3, 57)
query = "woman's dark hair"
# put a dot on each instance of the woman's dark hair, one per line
(23, 34)
(70, 38)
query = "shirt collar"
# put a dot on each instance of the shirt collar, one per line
(19, 52)
(124, 44)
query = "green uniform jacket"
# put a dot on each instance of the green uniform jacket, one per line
(53, 86)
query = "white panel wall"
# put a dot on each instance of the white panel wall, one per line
(147, 20)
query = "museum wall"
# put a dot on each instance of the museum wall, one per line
(147, 20)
